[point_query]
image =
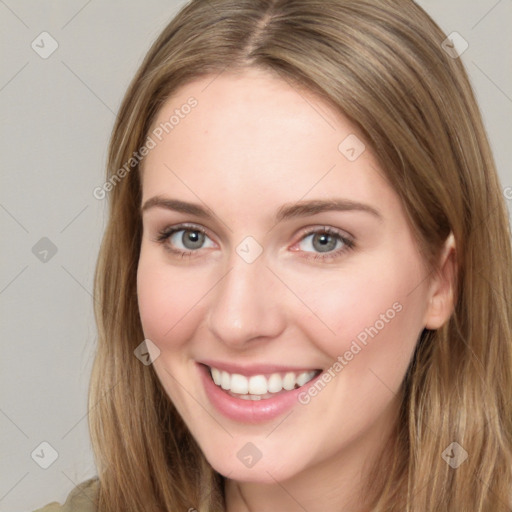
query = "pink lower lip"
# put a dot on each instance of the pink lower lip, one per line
(249, 411)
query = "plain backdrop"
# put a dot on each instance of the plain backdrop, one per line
(57, 113)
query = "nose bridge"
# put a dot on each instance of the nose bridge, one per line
(243, 306)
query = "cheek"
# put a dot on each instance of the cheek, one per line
(369, 316)
(169, 305)
(169, 301)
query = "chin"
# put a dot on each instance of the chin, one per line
(264, 471)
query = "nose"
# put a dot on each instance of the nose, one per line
(246, 304)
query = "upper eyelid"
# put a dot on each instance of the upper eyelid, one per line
(188, 227)
(328, 229)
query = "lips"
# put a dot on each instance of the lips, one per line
(253, 408)
(254, 369)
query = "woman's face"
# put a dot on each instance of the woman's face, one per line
(290, 254)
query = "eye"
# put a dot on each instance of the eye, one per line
(184, 240)
(326, 242)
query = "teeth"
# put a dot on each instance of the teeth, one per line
(275, 383)
(289, 381)
(259, 386)
(240, 385)
(216, 375)
(225, 380)
(302, 379)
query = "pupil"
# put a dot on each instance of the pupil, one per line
(327, 242)
(193, 240)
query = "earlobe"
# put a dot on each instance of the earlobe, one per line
(441, 303)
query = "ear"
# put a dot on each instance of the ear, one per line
(441, 292)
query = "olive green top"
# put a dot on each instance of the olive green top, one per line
(81, 499)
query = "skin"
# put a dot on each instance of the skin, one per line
(253, 144)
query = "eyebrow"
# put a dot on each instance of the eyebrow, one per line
(285, 212)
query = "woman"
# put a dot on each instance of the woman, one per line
(304, 289)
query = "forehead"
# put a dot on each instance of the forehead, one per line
(252, 138)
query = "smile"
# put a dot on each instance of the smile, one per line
(254, 394)
(260, 387)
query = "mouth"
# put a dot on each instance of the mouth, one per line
(262, 386)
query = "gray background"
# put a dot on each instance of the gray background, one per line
(57, 114)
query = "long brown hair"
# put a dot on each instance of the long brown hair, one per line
(381, 64)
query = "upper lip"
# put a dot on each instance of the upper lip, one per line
(255, 369)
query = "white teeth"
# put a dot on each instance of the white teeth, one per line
(254, 387)
(303, 378)
(216, 376)
(289, 381)
(239, 384)
(275, 383)
(225, 380)
(257, 385)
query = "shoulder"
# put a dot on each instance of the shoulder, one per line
(82, 498)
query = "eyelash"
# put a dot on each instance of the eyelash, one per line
(348, 244)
